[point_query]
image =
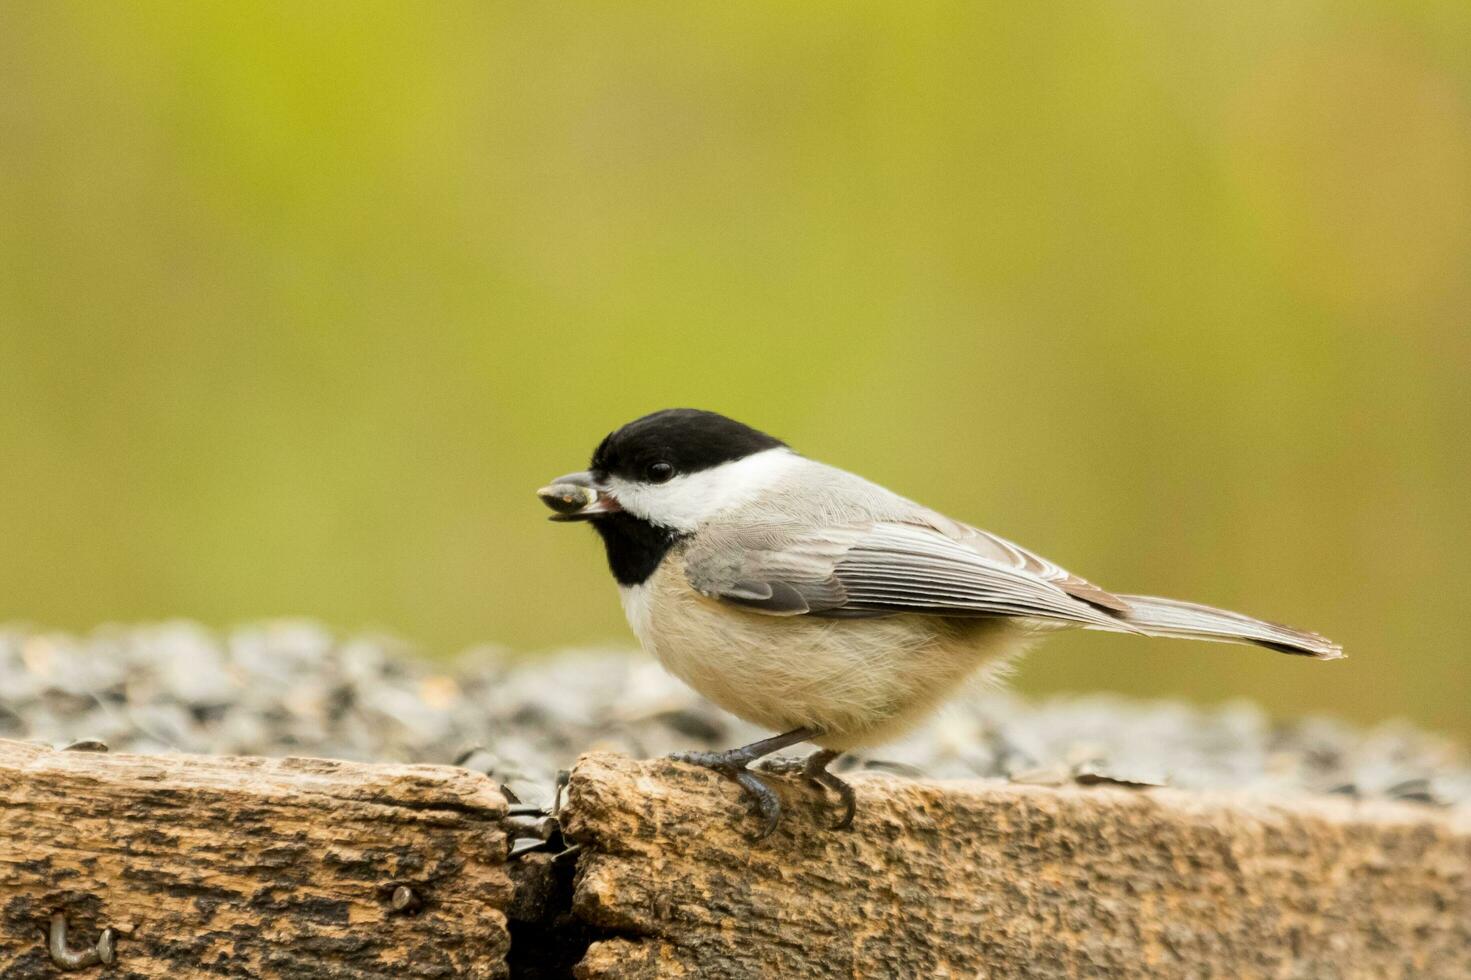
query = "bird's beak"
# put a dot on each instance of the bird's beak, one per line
(577, 497)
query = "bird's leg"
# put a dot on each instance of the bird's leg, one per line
(734, 764)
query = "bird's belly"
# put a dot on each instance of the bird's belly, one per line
(859, 681)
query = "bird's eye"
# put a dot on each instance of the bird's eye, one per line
(659, 472)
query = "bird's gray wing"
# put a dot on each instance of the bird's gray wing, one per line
(874, 569)
(1006, 552)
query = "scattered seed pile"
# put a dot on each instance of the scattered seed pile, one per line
(293, 688)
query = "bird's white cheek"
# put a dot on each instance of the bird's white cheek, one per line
(690, 499)
(682, 503)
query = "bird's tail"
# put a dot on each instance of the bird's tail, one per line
(1170, 617)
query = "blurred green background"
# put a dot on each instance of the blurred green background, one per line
(300, 302)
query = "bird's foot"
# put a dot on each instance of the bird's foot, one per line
(813, 771)
(783, 766)
(734, 765)
(846, 797)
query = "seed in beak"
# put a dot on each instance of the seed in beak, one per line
(567, 498)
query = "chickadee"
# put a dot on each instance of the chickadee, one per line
(809, 601)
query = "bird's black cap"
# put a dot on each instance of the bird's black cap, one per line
(688, 439)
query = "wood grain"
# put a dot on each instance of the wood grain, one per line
(287, 868)
(251, 867)
(994, 880)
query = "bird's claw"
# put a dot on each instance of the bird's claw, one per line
(763, 801)
(846, 797)
(760, 799)
(814, 773)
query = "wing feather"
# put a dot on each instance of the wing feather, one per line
(1010, 553)
(881, 568)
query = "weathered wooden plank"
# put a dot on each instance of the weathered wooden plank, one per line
(986, 879)
(251, 867)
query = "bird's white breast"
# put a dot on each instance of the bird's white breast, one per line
(635, 599)
(860, 681)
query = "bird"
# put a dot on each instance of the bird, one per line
(817, 604)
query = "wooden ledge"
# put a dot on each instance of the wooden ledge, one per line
(309, 868)
(986, 879)
(251, 867)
